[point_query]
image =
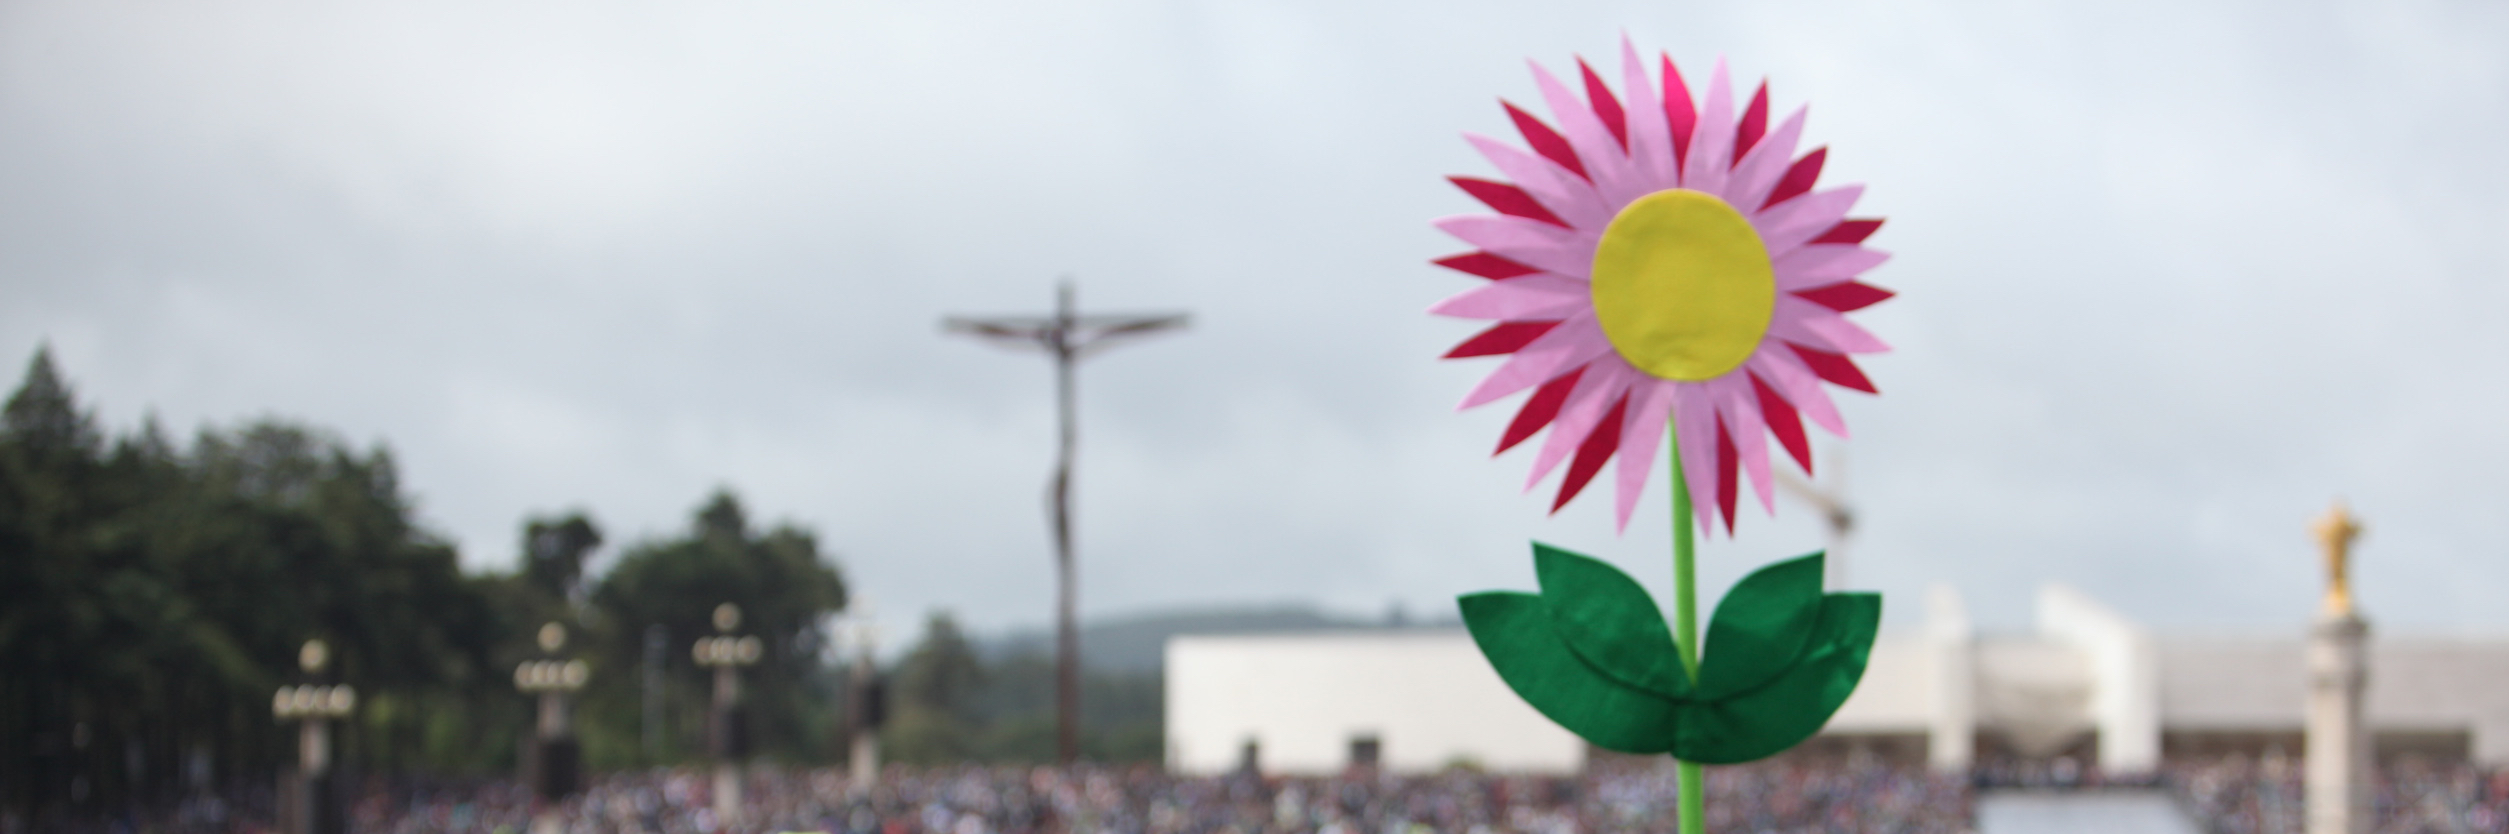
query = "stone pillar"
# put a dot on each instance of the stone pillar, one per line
(2338, 766)
(1951, 731)
(2338, 740)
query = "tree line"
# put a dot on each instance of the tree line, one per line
(957, 702)
(153, 596)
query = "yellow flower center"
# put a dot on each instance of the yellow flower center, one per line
(1683, 286)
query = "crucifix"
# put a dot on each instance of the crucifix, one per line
(1067, 337)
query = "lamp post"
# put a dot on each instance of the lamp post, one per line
(727, 736)
(307, 805)
(554, 765)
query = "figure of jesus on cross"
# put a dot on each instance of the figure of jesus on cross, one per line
(1068, 337)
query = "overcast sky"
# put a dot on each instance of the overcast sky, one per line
(2172, 278)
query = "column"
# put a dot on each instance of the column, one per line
(2338, 745)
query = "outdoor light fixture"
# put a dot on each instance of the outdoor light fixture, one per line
(299, 702)
(551, 758)
(728, 651)
(307, 804)
(538, 676)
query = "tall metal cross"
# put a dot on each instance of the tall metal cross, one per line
(1068, 337)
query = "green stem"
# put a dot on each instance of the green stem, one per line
(1685, 578)
(1693, 789)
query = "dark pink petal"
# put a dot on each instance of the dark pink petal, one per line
(1784, 422)
(1850, 231)
(1504, 338)
(1728, 478)
(1485, 265)
(1539, 410)
(1834, 367)
(1754, 123)
(1679, 114)
(1606, 107)
(1506, 199)
(1597, 448)
(1798, 179)
(1845, 296)
(1546, 141)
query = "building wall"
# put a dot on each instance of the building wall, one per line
(2227, 684)
(1431, 700)
(1896, 695)
(2427, 685)
(1427, 696)
(2124, 676)
(2418, 687)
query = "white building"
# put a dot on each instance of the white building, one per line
(1319, 702)
(2089, 683)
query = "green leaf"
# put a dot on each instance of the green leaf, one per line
(1798, 701)
(1761, 627)
(1609, 621)
(1515, 632)
(1591, 653)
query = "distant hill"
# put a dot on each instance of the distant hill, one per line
(1138, 643)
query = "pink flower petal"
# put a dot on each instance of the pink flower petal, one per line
(1712, 142)
(1847, 335)
(1811, 325)
(1821, 264)
(1845, 296)
(1681, 117)
(1565, 194)
(1528, 298)
(1544, 140)
(1571, 345)
(1650, 407)
(1605, 163)
(1601, 386)
(1750, 434)
(1786, 372)
(1759, 170)
(1795, 222)
(1798, 179)
(1784, 421)
(1650, 149)
(1606, 107)
(1694, 432)
(1556, 249)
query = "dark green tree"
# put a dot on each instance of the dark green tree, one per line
(554, 552)
(43, 421)
(937, 691)
(151, 600)
(786, 593)
(56, 600)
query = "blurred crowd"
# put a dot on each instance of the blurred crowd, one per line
(2239, 794)
(2231, 794)
(1772, 797)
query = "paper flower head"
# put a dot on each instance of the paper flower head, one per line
(1654, 260)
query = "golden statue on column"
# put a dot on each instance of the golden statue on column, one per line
(2338, 742)
(2335, 531)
